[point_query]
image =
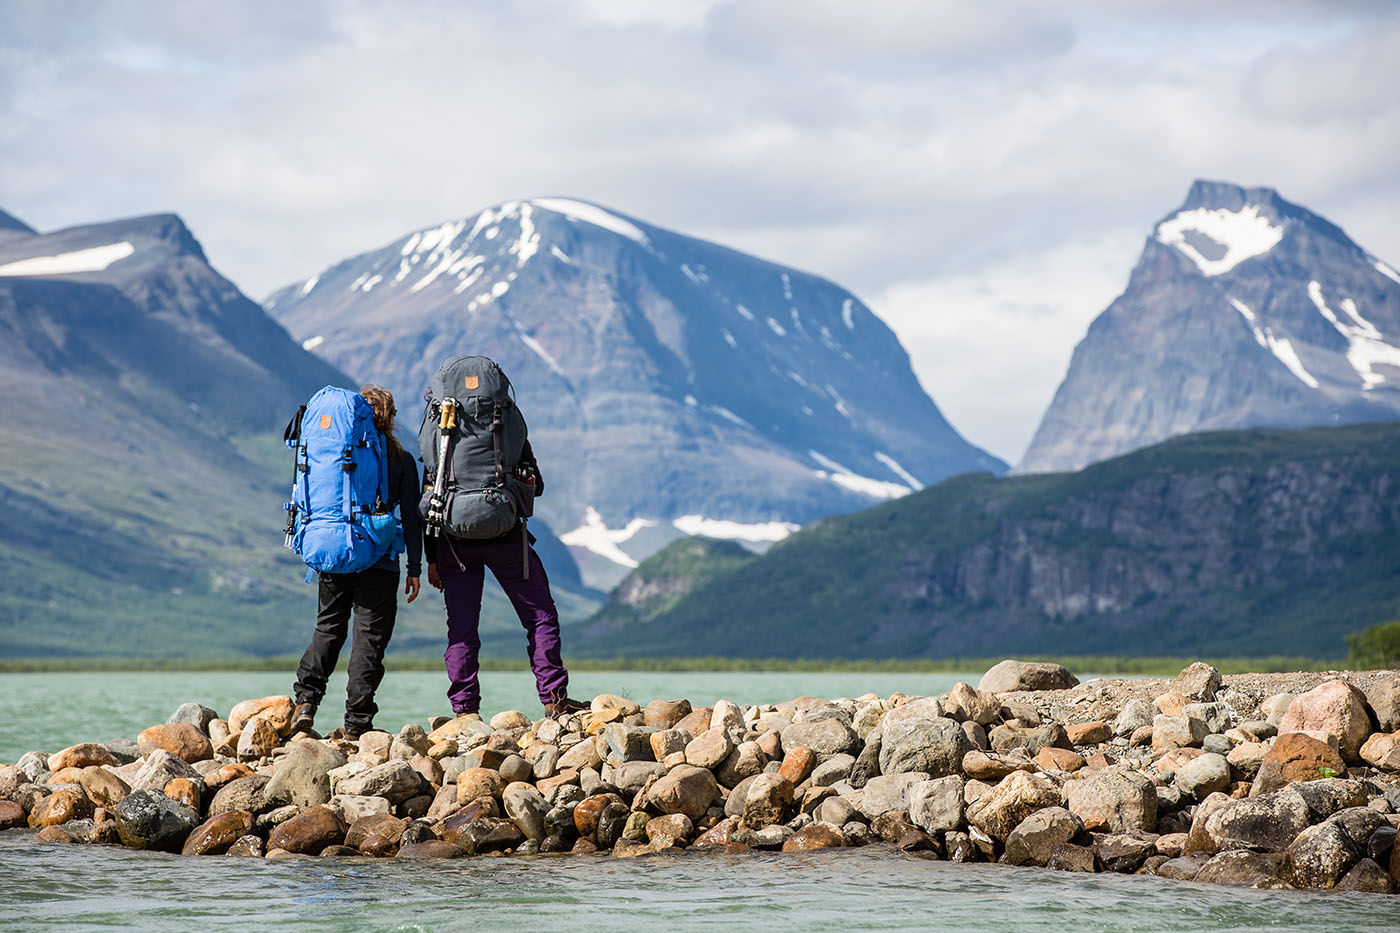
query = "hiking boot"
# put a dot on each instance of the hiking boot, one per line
(303, 716)
(353, 733)
(563, 706)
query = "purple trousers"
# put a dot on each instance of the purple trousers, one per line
(461, 566)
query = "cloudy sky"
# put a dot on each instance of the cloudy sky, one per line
(982, 174)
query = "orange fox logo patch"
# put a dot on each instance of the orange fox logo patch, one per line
(325, 422)
(472, 382)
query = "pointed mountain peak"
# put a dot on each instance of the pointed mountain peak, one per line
(120, 245)
(1222, 224)
(9, 223)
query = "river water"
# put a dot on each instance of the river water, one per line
(72, 887)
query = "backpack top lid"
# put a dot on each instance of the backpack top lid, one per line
(463, 377)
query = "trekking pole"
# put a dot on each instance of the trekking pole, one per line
(447, 423)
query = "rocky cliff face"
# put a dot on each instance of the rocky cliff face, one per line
(672, 386)
(1244, 310)
(1245, 543)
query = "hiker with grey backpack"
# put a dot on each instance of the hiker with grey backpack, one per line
(351, 475)
(479, 486)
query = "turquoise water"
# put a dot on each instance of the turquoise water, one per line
(868, 889)
(73, 887)
(51, 711)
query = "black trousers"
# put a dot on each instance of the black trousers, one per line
(373, 597)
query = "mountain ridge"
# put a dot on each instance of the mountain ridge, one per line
(1243, 310)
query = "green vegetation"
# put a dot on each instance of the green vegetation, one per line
(1161, 667)
(1376, 647)
(1182, 526)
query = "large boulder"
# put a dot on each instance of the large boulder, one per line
(935, 746)
(685, 789)
(1382, 750)
(62, 806)
(709, 749)
(303, 774)
(1198, 682)
(1017, 796)
(766, 801)
(1115, 800)
(1008, 676)
(218, 833)
(245, 793)
(936, 805)
(1034, 838)
(664, 714)
(82, 755)
(966, 703)
(1203, 775)
(1320, 855)
(1267, 823)
(160, 768)
(309, 831)
(1297, 756)
(147, 819)
(1383, 696)
(195, 714)
(276, 709)
(179, 739)
(1245, 868)
(527, 807)
(888, 792)
(825, 737)
(395, 780)
(1335, 708)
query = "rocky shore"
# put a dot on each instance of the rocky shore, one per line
(1289, 780)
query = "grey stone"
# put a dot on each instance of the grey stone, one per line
(629, 743)
(868, 761)
(1008, 676)
(1035, 837)
(933, 746)
(411, 742)
(937, 805)
(1134, 715)
(709, 749)
(745, 761)
(148, 819)
(1203, 775)
(1215, 717)
(394, 780)
(836, 768)
(160, 769)
(888, 792)
(1177, 731)
(527, 808)
(837, 810)
(245, 793)
(357, 807)
(1269, 822)
(302, 776)
(1117, 800)
(194, 714)
(825, 737)
(1199, 681)
(632, 776)
(1217, 744)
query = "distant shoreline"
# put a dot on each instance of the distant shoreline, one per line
(1097, 664)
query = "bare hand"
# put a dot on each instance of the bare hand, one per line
(434, 580)
(410, 586)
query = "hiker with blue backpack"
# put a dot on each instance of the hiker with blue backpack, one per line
(479, 486)
(351, 476)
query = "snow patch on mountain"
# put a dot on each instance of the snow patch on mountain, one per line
(1218, 240)
(849, 479)
(1366, 347)
(898, 470)
(592, 214)
(311, 343)
(594, 535)
(756, 532)
(93, 259)
(1386, 271)
(1279, 347)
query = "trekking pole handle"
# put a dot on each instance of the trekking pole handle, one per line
(447, 420)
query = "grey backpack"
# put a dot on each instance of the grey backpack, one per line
(471, 440)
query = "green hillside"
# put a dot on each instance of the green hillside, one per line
(1231, 543)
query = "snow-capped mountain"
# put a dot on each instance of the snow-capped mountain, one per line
(672, 386)
(1244, 310)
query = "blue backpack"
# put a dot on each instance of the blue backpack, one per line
(338, 520)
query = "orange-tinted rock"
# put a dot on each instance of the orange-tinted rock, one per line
(185, 791)
(566, 776)
(1058, 759)
(1177, 758)
(454, 825)
(1302, 758)
(696, 721)
(816, 836)
(258, 738)
(54, 834)
(797, 764)
(1382, 750)
(180, 739)
(1089, 733)
(664, 714)
(308, 832)
(718, 835)
(65, 776)
(230, 772)
(1335, 708)
(1101, 760)
(60, 807)
(479, 782)
(1170, 703)
(81, 756)
(382, 825)
(11, 815)
(276, 709)
(589, 809)
(429, 768)
(216, 834)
